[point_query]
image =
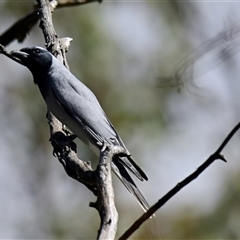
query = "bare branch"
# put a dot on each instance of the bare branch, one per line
(105, 202)
(215, 156)
(73, 3)
(23, 26)
(227, 139)
(46, 24)
(100, 182)
(65, 150)
(8, 54)
(61, 141)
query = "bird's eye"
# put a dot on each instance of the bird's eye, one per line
(37, 51)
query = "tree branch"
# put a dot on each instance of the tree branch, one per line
(216, 155)
(62, 142)
(65, 150)
(23, 26)
(8, 54)
(105, 202)
(100, 181)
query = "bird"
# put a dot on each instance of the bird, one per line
(76, 106)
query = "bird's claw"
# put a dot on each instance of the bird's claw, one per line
(60, 142)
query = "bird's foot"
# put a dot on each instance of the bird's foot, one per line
(60, 141)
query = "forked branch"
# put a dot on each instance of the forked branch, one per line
(215, 156)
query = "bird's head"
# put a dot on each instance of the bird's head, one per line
(36, 59)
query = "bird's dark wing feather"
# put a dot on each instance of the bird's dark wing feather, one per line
(123, 175)
(129, 161)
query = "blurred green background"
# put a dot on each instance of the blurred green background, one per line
(123, 50)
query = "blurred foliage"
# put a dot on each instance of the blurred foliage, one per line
(22, 8)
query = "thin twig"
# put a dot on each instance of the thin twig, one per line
(9, 55)
(228, 138)
(216, 155)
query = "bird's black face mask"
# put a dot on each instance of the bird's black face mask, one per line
(36, 59)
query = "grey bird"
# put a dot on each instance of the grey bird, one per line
(75, 105)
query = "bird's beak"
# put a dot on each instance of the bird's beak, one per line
(21, 55)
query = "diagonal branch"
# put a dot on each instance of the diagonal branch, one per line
(215, 156)
(8, 54)
(23, 26)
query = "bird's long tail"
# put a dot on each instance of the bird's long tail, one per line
(123, 175)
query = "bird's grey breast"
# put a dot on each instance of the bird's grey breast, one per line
(74, 104)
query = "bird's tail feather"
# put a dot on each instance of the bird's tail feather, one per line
(123, 175)
(133, 167)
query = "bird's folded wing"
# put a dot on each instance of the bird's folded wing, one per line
(81, 104)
